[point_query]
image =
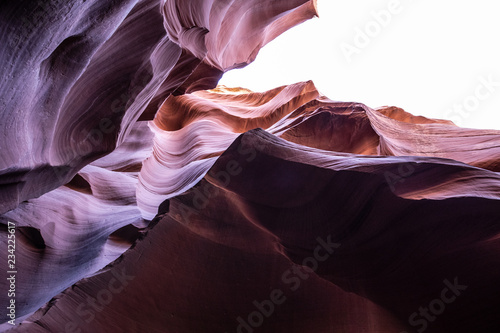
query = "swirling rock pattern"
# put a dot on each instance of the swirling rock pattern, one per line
(79, 82)
(266, 208)
(145, 200)
(374, 191)
(72, 94)
(82, 226)
(192, 130)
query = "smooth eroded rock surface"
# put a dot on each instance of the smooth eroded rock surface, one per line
(148, 199)
(267, 210)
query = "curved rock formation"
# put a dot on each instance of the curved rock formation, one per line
(192, 130)
(145, 202)
(300, 240)
(80, 79)
(73, 94)
(81, 227)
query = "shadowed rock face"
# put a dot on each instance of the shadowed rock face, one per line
(144, 202)
(192, 130)
(235, 244)
(76, 76)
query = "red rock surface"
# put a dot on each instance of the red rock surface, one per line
(77, 76)
(107, 124)
(264, 208)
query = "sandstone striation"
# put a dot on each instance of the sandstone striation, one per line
(148, 199)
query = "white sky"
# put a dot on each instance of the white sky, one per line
(431, 58)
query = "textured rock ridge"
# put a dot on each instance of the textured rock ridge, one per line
(148, 199)
(77, 76)
(266, 211)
